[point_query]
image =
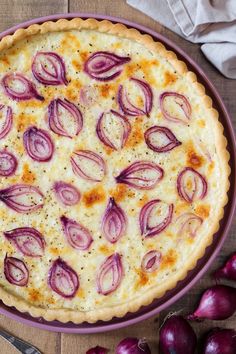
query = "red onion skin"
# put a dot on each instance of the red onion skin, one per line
(5, 155)
(174, 142)
(28, 136)
(12, 261)
(177, 337)
(228, 271)
(97, 350)
(217, 303)
(220, 341)
(133, 345)
(6, 127)
(117, 62)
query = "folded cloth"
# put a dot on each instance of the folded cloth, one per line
(212, 22)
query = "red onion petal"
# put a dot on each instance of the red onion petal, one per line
(177, 336)
(140, 175)
(63, 279)
(217, 303)
(77, 235)
(128, 107)
(112, 266)
(133, 345)
(105, 134)
(49, 69)
(220, 341)
(198, 186)
(16, 271)
(228, 271)
(8, 163)
(88, 165)
(38, 144)
(156, 131)
(189, 224)
(27, 89)
(114, 222)
(151, 261)
(97, 350)
(22, 198)
(104, 66)
(66, 193)
(27, 240)
(145, 217)
(181, 101)
(7, 117)
(69, 127)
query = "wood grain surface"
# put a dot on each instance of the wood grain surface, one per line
(13, 12)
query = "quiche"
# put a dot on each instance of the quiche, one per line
(114, 170)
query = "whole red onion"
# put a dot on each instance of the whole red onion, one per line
(97, 350)
(228, 270)
(220, 341)
(177, 336)
(133, 345)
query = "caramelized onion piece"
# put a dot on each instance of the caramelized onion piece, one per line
(88, 165)
(64, 118)
(16, 271)
(110, 274)
(151, 261)
(63, 279)
(19, 88)
(114, 222)
(191, 185)
(49, 69)
(38, 144)
(22, 198)
(113, 129)
(77, 235)
(6, 118)
(175, 107)
(8, 163)
(160, 139)
(66, 193)
(104, 66)
(130, 108)
(27, 240)
(188, 224)
(154, 217)
(141, 175)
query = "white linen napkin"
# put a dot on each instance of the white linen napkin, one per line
(211, 22)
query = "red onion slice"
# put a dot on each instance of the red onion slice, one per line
(154, 217)
(110, 274)
(77, 235)
(88, 95)
(49, 69)
(22, 198)
(191, 185)
(188, 224)
(6, 118)
(64, 118)
(104, 66)
(38, 144)
(8, 163)
(161, 139)
(113, 129)
(141, 175)
(114, 222)
(63, 279)
(16, 271)
(27, 240)
(19, 88)
(151, 261)
(66, 193)
(175, 107)
(88, 165)
(130, 108)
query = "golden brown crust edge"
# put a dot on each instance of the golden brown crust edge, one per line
(120, 310)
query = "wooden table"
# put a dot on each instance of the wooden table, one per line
(16, 11)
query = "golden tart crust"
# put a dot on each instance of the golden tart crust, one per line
(120, 308)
